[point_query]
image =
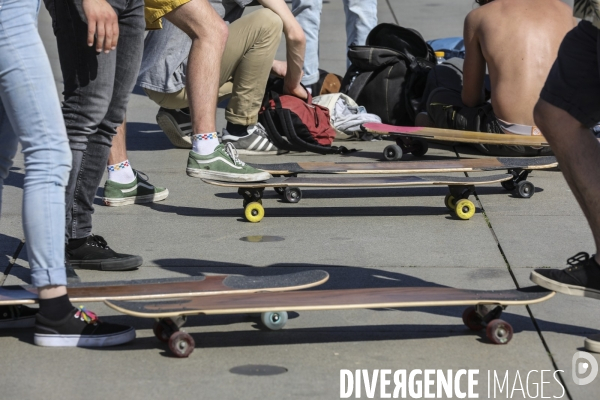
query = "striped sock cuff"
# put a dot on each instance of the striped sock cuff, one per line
(205, 136)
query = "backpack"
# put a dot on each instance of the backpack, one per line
(388, 74)
(294, 124)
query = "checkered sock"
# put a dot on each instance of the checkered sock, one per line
(121, 172)
(205, 143)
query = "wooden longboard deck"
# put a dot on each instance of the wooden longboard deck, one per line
(367, 181)
(170, 288)
(411, 167)
(393, 297)
(450, 135)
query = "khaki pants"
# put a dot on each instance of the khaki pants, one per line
(247, 61)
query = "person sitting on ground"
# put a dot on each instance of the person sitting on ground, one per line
(517, 40)
(248, 59)
(30, 114)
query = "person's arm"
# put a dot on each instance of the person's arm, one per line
(474, 65)
(103, 23)
(295, 42)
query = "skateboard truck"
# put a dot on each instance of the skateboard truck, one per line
(487, 316)
(394, 152)
(519, 184)
(182, 344)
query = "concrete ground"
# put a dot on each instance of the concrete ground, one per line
(362, 237)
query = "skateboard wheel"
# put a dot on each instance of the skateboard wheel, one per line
(393, 152)
(274, 321)
(508, 185)
(465, 209)
(181, 344)
(471, 319)
(162, 330)
(525, 189)
(499, 331)
(420, 147)
(280, 190)
(254, 212)
(292, 195)
(449, 202)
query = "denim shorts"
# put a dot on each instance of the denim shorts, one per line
(573, 84)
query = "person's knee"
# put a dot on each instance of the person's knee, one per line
(62, 161)
(270, 21)
(541, 114)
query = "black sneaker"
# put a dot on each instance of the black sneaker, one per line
(177, 125)
(95, 254)
(20, 316)
(581, 278)
(81, 328)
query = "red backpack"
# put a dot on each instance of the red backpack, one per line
(294, 124)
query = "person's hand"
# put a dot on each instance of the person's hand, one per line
(279, 68)
(297, 91)
(103, 23)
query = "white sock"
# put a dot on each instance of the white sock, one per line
(121, 172)
(205, 143)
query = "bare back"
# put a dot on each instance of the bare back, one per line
(519, 41)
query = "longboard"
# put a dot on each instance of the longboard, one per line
(485, 307)
(169, 288)
(410, 167)
(407, 134)
(457, 201)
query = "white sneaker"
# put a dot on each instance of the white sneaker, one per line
(255, 143)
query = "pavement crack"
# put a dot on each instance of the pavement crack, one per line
(514, 278)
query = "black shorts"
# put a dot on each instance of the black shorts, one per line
(573, 84)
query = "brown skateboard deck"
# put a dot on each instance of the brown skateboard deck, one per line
(411, 167)
(518, 167)
(413, 139)
(457, 201)
(169, 288)
(485, 307)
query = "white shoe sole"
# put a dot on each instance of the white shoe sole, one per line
(84, 341)
(563, 288)
(592, 343)
(148, 198)
(170, 127)
(227, 177)
(24, 322)
(256, 152)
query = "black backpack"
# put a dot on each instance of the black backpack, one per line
(388, 75)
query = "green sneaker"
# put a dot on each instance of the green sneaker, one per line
(223, 165)
(136, 192)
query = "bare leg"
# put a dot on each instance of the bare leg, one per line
(578, 154)
(51, 292)
(209, 35)
(118, 151)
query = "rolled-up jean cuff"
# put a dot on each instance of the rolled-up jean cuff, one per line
(559, 101)
(42, 277)
(240, 119)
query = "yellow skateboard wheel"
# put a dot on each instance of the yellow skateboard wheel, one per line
(449, 202)
(465, 209)
(254, 212)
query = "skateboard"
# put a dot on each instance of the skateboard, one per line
(169, 288)
(457, 200)
(413, 139)
(519, 167)
(483, 312)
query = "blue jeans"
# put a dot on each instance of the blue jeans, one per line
(97, 89)
(361, 17)
(30, 114)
